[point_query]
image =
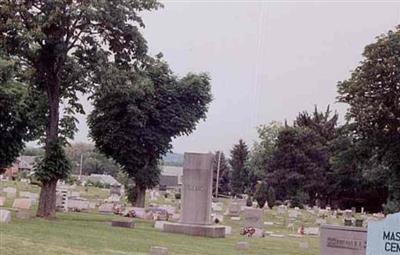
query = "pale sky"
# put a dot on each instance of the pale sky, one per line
(268, 60)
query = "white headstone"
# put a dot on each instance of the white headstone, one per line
(157, 250)
(5, 216)
(383, 237)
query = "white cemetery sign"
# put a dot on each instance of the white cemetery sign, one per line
(384, 236)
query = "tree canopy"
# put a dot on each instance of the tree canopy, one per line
(373, 95)
(62, 48)
(138, 113)
(18, 122)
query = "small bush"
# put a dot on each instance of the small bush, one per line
(261, 194)
(391, 207)
(249, 201)
(271, 197)
(131, 194)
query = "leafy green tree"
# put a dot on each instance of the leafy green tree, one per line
(373, 93)
(224, 174)
(356, 177)
(271, 197)
(262, 151)
(63, 47)
(135, 119)
(17, 124)
(298, 165)
(240, 171)
(261, 194)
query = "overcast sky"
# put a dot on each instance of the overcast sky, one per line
(267, 60)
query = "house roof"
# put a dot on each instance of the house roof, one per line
(103, 178)
(26, 162)
(171, 170)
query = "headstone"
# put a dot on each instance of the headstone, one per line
(242, 246)
(196, 198)
(311, 231)
(5, 216)
(234, 209)
(253, 218)
(320, 221)
(106, 208)
(23, 214)
(217, 218)
(75, 194)
(197, 189)
(62, 200)
(282, 209)
(123, 223)
(235, 218)
(10, 192)
(341, 240)
(348, 214)
(2, 200)
(228, 230)
(159, 225)
(92, 205)
(293, 214)
(24, 194)
(22, 204)
(277, 235)
(157, 250)
(384, 236)
(78, 205)
(115, 189)
(217, 207)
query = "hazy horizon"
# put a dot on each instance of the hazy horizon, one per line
(267, 60)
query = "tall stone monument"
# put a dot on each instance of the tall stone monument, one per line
(196, 198)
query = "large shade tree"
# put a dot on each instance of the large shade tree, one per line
(138, 112)
(18, 122)
(373, 95)
(62, 48)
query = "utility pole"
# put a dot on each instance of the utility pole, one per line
(218, 167)
(80, 168)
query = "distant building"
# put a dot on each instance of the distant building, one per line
(21, 164)
(103, 179)
(26, 163)
(171, 176)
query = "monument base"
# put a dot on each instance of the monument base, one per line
(213, 231)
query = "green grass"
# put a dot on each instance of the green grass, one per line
(91, 233)
(84, 233)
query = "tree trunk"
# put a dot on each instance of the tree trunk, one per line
(47, 200)
(140, 193)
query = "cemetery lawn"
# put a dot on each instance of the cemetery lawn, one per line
(88, 233)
